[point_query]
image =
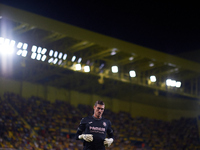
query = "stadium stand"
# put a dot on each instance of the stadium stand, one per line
(55, 124)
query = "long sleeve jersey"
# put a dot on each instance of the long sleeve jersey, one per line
(99, 128)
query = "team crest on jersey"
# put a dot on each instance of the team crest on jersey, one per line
(104, 124)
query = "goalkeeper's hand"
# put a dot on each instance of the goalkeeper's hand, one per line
(108, 141)
(86, 137)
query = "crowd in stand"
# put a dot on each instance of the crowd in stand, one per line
(35, 123)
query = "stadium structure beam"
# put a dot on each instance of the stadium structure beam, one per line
(83, 34)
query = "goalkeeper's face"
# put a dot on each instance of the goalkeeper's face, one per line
(98, 110)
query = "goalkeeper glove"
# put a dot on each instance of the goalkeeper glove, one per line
(86, 137)
(108, 141)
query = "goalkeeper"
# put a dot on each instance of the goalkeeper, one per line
(95, 131)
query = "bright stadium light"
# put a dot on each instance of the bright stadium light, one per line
(38, 56)
(86, 68)
(78, 66)
(153, 78)
(178, 84)
(55, 54)
(114, 69)
(51, 53)
(173, 83)
(44, 50)
(60, 55)
(59, 62)
(24, 53)
(19, 52)
(168, 82)
(1, 40)
(131, 58)
(79, 60)
(25, 46)
(39, 50)
(73, 58)
(50, 60)
(132, 73)
(6, 46)
(64, 56)
(55, 61)
(19, 45)
(33, 55)
(43, 57)
(34, 48)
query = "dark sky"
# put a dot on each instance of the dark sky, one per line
(169, 27)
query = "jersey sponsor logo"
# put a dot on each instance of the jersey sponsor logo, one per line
(90, 122)
(97, 129)
(104, 124)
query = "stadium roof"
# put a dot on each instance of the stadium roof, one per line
(98, 51)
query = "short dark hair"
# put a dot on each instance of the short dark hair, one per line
(99, 102)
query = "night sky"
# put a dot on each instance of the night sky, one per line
(169, 27)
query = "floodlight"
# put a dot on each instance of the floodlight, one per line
(132, 73)
(55, 54)
(87, 68)
(50, 60)
(19, 52)
(33, 55)
(113, 53)
(151, 64)
(25, 45)
(12, 43)
(73, 58)
(79, 60)
(178, 84)
(114, 69)
(65, 57)
(173, 83)
(44, 50)
(43, 57)
(7, 41)
(34, 48)
(78, 66)
(19, 45)
(39, 50)
(55, 60)
(51, 53)
(24, 53)
(60, 55)
(60, 62)
(153, 78)
(38, 56)
(168, 82)
(1, 40)
(131, 58)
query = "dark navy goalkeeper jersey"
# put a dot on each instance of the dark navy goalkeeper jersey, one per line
(99, 128)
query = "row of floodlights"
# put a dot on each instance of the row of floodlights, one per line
(7, 47)
(169, 82)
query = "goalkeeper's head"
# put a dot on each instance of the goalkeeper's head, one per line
(99, 107)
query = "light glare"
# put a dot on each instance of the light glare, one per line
(44, 57)
(153, 78)
(114, 69)
(33, 55)
(87, 68)
(78, 66)
(132, 73)
(24, 53)
(73, 58)
(65, 57)
(51, 53)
